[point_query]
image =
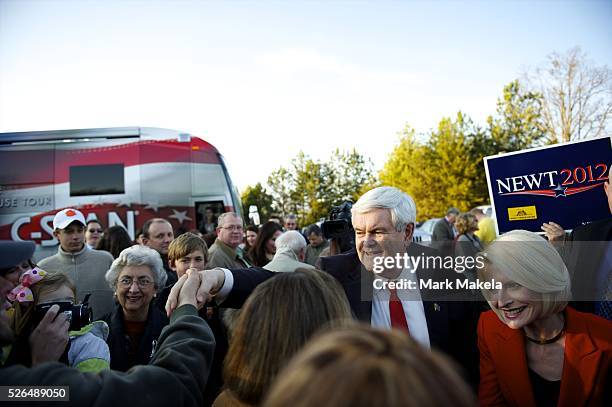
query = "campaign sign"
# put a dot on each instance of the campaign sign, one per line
(562, 183)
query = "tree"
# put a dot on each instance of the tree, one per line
(442, 172)
(350, 172)
(405, 163)
(309, 188)
(257, 195)
(577, 97)
(518, 123)
(280, 183)
(448, 169)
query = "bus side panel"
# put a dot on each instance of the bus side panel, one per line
(166, 184)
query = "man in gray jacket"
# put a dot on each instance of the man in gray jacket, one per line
(175, 375)
(86, 267)
(225, 251)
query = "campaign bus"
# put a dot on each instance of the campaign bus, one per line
(119, 176)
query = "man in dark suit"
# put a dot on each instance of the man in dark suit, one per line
(587, 252)
(383, 220)
(443, 234)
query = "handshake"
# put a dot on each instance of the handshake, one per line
(195, 287)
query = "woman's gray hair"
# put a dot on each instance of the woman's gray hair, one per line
(401, 205)
(138, 256)
(531, 261)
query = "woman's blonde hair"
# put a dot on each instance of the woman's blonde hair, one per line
(24, 310)
(531, 261)
(466, 222)
(363, 366)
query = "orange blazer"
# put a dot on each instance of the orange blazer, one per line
(504, 376)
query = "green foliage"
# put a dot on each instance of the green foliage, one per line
(257, 195)
(518, 123)
(309, 188)
(448, 169)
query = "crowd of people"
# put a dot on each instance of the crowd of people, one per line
(276, 315)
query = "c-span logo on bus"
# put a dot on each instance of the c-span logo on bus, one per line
(555, 183)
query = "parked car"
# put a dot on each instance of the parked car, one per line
(486, 209)
(423, 232)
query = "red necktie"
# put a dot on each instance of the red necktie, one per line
(396, 310)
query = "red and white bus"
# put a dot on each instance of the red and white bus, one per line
(119, 176)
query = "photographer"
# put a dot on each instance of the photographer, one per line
(33, 298)
(339, 230)
(175, 376)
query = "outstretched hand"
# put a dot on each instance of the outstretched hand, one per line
(195, 287)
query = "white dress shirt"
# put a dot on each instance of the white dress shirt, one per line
(411, 303)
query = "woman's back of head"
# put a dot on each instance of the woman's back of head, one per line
(363, 366)
(275, 322)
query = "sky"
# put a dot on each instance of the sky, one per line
(263, 80)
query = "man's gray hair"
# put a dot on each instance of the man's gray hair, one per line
(452, 211)
(224, 215)
(138, 256)
(401, 205)
(291, 239)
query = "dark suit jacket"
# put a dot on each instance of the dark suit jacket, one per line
(451, 324)
(504, 376)
(584, 253)
(442, 231)
(443, 237)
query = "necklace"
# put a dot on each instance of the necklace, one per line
(548, 341)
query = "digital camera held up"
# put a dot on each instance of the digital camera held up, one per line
(79, 315)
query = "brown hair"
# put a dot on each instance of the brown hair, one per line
(185, 244)
(258, 251)
(114, 240)
(362, 366)
(275, 322)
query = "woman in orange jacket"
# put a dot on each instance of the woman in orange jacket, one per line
(534, 349)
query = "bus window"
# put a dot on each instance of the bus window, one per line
(207, 214)
(97, 180)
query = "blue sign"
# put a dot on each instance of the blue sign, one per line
(562, 183)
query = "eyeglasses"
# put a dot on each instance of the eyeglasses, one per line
(95, 230)
(142, 282)
(232, 227)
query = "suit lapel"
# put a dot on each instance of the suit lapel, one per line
(580, 365)
(513, 371)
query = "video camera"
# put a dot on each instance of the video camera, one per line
(340, 227)
(79, 315)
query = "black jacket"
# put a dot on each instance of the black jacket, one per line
(119, 343)
(451, 323)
